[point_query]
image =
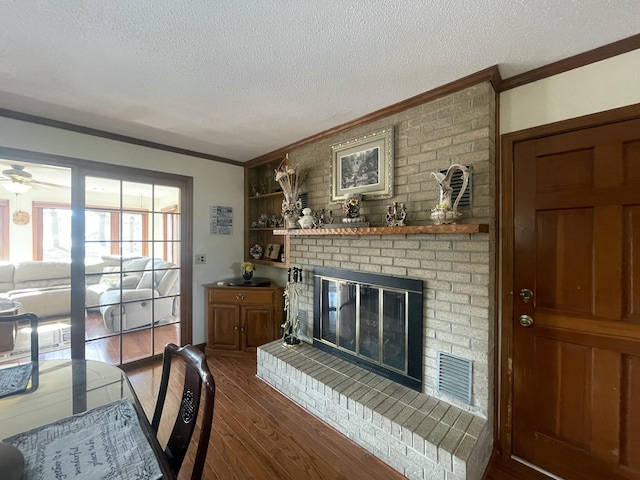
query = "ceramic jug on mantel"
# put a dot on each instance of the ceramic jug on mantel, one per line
(444, 212)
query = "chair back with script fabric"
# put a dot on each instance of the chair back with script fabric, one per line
(196, 375)
(33, 320)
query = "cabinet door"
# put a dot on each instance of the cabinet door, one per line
(257, 326)
(223, 329)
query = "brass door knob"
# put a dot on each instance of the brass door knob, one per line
(526, 295)
(526, 320)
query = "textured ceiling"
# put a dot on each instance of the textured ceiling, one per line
(241, 78)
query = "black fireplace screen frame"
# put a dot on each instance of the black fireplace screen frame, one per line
(412, 288)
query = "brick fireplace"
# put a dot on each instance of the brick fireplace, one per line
(374, 321)
(431, 435)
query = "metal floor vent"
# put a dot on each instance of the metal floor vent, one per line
(456, 185)
(455, 376)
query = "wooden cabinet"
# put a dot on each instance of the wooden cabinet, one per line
(240, 319)
(263, 203)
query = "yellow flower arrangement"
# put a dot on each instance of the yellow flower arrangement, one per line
(247, 267)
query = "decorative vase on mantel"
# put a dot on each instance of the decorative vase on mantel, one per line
(307, 220)
(291, 211)
(444, 212)
(291, 220)
(247, 276)
(351, 208)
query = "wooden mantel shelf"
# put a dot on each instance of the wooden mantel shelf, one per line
(407, 230)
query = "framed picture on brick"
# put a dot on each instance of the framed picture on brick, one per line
(363, 165)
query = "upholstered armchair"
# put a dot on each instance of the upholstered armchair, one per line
(142, 296)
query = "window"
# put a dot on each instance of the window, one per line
(52, 232)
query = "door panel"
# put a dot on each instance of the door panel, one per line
(576, 370)
(223, 327)
(564, 240)
(257, 326)
(630, 454)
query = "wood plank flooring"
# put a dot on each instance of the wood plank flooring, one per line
(258, 434)
(506, 469)
(104, 346)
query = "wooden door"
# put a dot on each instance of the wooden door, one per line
(576, 369)
(257, 326)
(223, 328)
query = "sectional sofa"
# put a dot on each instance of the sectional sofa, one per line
(44, 288)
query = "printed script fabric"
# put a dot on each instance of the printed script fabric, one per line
(14, 379)
(104, 443)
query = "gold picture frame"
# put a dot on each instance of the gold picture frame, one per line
(363, 165)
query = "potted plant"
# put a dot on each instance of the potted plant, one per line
(247, 271)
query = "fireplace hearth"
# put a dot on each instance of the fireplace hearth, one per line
(374, 321)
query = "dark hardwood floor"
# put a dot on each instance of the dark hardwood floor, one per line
(259, 434)
(104, 346)
(506, 469)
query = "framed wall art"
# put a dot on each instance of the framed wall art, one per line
(363, 165)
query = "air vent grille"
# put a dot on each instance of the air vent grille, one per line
(456, 185)
(304, 199)
(455, 376)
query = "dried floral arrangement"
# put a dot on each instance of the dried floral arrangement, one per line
(290, 179)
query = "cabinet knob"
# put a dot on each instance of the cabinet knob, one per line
(240, 296)
(236, 328)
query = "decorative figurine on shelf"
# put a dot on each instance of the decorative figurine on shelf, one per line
(443, 212)
(247, 271)
(351, 208)
(291, 325)
(273, 221)
(256, 251)
(396, 215)
(307, 220)
(262, 220)
(322, 218)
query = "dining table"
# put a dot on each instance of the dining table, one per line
(83, 401)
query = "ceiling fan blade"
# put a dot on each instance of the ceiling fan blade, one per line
(17, 174)
(47, 184)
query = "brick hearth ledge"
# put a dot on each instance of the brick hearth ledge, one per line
(418, 435)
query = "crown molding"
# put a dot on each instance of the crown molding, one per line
(491, 75)
(592, 56)
(48, 122)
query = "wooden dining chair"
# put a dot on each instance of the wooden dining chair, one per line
(33, 320)
(196, 375)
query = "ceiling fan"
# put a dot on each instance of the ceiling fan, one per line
(22, 180)
(17, 180)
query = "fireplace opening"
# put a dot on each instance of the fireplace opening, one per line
(374, 321)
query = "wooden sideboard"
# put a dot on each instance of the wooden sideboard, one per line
(240, 319)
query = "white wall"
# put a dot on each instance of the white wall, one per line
(214, 184)
(608, 84)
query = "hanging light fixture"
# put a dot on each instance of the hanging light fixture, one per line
(20, 217)
(17, 187)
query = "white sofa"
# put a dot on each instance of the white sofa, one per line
(43, 288)
(147, 291)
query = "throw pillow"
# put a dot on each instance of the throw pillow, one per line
(110, 276)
